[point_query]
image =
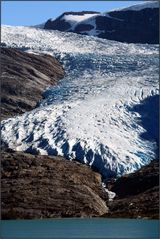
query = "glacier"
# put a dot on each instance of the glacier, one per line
(90, 115)
(140, 6)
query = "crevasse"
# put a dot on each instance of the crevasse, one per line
(89, 116)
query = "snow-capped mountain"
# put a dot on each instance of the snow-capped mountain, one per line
(69, 20)
(100, 112)
(140, 6)
(135, 24)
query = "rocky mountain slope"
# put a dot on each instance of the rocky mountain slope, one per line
(24, 78)
(41, 186)
(47, 187)
(130, 76)
(135, 24)
(137, 194)
(96, 114)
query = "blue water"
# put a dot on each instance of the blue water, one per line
(80, 228)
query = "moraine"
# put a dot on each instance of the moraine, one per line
(90, 115)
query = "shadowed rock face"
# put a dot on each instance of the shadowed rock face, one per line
(133, 27)
(137, 194)
(125, 26)
(47, 187)
(62, 25)
(24, 77)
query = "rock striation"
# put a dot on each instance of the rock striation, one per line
(137, 194)
(35, 186)
(48, 187)
(24, 77)
(41, 186)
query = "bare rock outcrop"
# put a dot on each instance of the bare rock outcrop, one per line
(48, 187)
(35, 186)
(125, 25)
(137, 194)
(24, 77)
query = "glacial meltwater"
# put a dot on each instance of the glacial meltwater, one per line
(80, 228)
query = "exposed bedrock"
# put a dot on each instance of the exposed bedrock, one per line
(123, 26)
(41, 186)
(35, 186)
(60, 24)
(47, 187)
(137, 194)
(24, 78)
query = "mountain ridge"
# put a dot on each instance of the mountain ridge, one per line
(89, 68)
(124, 25)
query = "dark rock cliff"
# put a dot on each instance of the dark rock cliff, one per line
(41, 186)
(125, 26)
(47, 187)
(133, 27)
(60, 24)
(24, 77)
(137, 194)
(34, 186)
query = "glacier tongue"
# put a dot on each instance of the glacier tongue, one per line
(87, 116)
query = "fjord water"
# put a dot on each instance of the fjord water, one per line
(80, 228)
(93, 114)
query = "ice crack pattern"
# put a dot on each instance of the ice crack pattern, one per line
(88, 116)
